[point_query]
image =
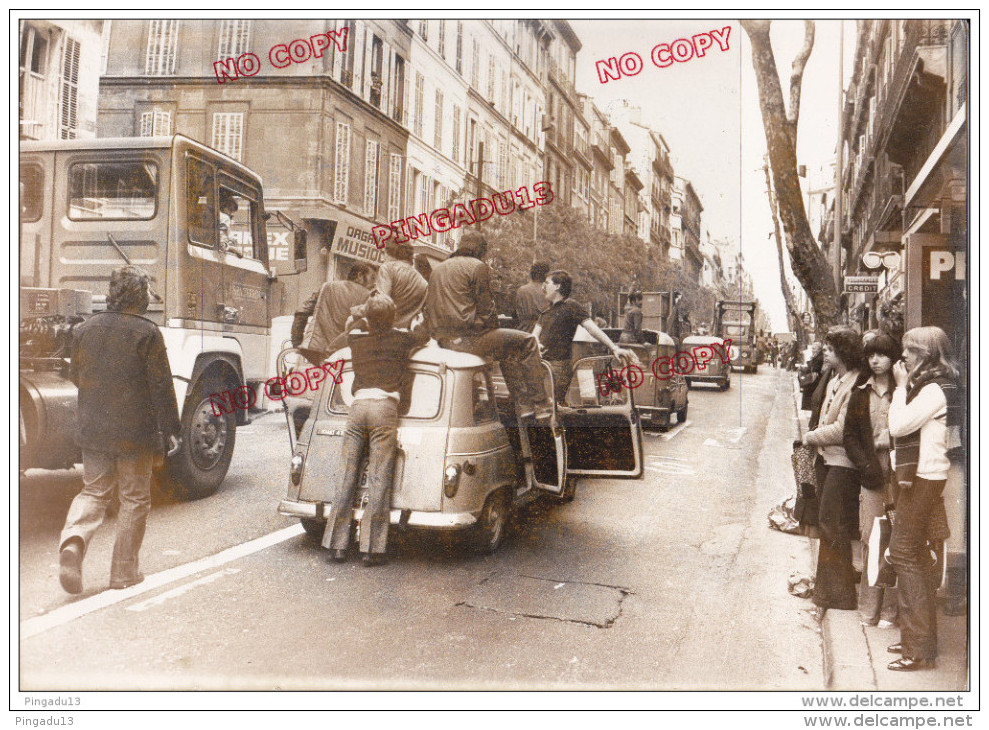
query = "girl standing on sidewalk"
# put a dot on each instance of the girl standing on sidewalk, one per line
(924, 413)
(867, 444)
(837, 479)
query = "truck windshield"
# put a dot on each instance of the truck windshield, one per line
(113, 190)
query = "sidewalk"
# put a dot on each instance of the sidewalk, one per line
(855, 656)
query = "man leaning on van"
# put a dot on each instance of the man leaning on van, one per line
(127, 410)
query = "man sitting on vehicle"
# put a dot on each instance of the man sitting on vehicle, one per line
(330, 307)
(461, 315)
(557, 326)
(398, 279)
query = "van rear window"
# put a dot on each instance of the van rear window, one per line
(425, 401)
(113, 190)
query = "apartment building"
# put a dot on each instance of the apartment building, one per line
(58, 79)
(325, 131)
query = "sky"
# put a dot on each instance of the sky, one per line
(707, 109)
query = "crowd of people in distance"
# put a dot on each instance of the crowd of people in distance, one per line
(885, 422)
(384, 316)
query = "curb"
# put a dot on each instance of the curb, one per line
(845, 649)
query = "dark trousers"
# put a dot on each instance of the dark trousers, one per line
(517, 354)
(915, 581)
(562, 375)
(372, 424)
(834, 586)
(102, 473)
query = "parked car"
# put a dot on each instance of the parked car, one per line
(464, 461)
(656, 399)
(716, 371)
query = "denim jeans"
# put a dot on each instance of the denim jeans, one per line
(910, 556)
(102, 472)
(372, 424)
(517, 354)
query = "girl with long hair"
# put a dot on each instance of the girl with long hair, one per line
(924, 417)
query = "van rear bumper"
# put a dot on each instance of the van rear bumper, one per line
(432, 520)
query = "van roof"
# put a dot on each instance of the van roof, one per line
(127, 143)
(431, 354)
(703, 340)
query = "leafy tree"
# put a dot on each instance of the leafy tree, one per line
(601, 263)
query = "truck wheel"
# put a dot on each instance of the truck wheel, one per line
(492, 526)
(207, 447)
(313, 527)
(682, 413)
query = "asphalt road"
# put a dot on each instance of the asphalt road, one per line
(669, 582)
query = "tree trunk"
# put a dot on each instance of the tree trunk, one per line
(791, 305)
(809, 263)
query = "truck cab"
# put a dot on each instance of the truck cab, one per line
(194, 220)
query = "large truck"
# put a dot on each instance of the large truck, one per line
(660, 312)
(194, 220)
(735, 321)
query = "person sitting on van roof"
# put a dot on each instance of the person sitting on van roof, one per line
(330, 307)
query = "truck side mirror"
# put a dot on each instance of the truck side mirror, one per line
(300, 253)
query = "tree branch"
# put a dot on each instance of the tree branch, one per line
(797, 77)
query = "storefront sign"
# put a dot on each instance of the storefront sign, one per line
(355, 241)
(866, 284)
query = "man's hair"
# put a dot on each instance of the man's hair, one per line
(400, 251)
(128, 289)
(379, 311)
(635, 296)
(472, 244)
(539, 271)
(847, 345)
(359, 271)
(563, 280)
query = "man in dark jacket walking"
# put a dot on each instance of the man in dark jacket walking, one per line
(126, 411)
(461, 315)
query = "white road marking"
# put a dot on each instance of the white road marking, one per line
(161, 598)
(711, 442)
(679, 470)
(668, 458)
(738, 434)
(65, 614)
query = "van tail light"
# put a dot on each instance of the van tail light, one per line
(296, 469)
(451, 480)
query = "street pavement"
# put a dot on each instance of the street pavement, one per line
(672, 582)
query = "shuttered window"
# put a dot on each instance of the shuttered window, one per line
(395, 188)
(163, 38)
(235, 39)
(456, 135)
(371, 178)
(438, 130)
(420, 83)
(156, 123)
(69, 90)
(475, 65)
(342, 167)
(460, 47)
(228, 133)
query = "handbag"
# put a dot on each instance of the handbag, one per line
(879, 570)
(807, 505)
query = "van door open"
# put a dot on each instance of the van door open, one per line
(603, 434)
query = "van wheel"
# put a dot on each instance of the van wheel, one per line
(207, 448)
(492, 526)
(313, 527)
(569, 492)
(682, 413)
